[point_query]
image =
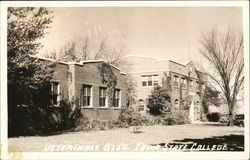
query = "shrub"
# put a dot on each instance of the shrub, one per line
(158, 101)
(176, 117)
(131, 117)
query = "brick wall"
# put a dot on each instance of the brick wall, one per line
(72, 76)
(89, 74)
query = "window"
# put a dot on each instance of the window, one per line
(191, 83)
(176, 80)
(183, 82)
(102, 97)
(85, 98)
(197, 85)
(55, 93)
(117, 98)
(150, 80)
(155, 80)
(141, 105)
(176, 103)
(144, 80)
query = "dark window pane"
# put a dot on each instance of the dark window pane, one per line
(149, 83)
(144, 83)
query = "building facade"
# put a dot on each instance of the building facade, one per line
(81, 84)
(183, 81)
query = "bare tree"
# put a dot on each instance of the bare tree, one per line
(224, 51)
(80, 49)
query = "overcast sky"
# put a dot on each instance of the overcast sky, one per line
(161, 32)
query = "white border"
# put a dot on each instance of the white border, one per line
(122, 155)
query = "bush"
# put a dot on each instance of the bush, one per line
(35, 120)
(176, 117)
(213, 117)
(158, 101)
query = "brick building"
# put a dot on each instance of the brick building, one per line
(184, 80)
(81, 83)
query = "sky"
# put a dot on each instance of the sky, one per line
(160, 32)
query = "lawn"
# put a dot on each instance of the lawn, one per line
(152, 138)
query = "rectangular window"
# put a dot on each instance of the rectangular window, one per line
(150, 80)
(176, 80)
(191, 83)
(144, 80)
(155, 80)
(55, 93)
(102, 97)
(197, 85)
(85, 99)
(183, 82)
(117, 98)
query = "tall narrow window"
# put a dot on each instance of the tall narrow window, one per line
(85, 96)
(183, 82)
(102, 97)
(155, 79)
(117, 98)
(144, 80)
(197, 85)
(55, 93)
(150, 82)
(191, 83)
(176, 103)
(176, 80)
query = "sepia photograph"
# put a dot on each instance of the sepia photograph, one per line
(125, 78)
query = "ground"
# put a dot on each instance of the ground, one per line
(205, 136)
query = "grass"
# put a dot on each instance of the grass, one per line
(150, 135)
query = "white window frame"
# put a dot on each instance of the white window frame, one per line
(91, 97)
(146, 78)
(155, 78)
(119, 104)
(106, 98)
(58, 93)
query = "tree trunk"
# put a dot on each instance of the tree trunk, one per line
(231, 118)
(231, 123)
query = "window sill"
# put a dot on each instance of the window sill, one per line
(85, 107)
(117, 108)
(103, 107)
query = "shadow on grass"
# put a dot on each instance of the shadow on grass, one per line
(232, 143)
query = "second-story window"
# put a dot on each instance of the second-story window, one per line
(150, 80)
(197, 85)
(176, 81)
(183, 82)
(155, 80)
(191, 83)
(144, 80)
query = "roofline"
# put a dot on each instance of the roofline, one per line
(77, 63)
(157, 59)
